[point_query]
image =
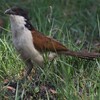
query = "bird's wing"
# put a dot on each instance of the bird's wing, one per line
(44, 43)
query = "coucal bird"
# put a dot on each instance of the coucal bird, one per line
(31, 44)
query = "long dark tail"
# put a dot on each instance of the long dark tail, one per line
(85, 55)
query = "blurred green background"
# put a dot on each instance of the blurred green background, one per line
(76, 23)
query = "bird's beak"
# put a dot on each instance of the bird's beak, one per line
(8, 11)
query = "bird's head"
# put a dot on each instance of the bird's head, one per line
(19, 16)
(16, 11)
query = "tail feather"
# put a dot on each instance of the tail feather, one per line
(85, 55)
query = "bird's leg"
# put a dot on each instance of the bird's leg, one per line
(39, 60)
(28, 68)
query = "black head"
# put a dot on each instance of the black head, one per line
(17, 11)
(20, 12)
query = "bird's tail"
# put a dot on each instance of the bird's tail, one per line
(85, 55)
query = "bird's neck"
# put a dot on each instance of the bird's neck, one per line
(20, 27)
(20, 21)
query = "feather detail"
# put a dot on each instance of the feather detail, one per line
(44, 43)
(85, 55)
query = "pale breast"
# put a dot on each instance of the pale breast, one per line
(22, 40)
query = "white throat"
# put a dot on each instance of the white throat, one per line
(18, 25)
(17, 20)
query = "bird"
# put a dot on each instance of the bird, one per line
(32, 44)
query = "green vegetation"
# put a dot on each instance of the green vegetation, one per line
(76, 23)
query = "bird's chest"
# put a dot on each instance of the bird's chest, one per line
(22, 38)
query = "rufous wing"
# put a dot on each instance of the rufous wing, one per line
(44, 43)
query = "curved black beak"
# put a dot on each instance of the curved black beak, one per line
(8, 11)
